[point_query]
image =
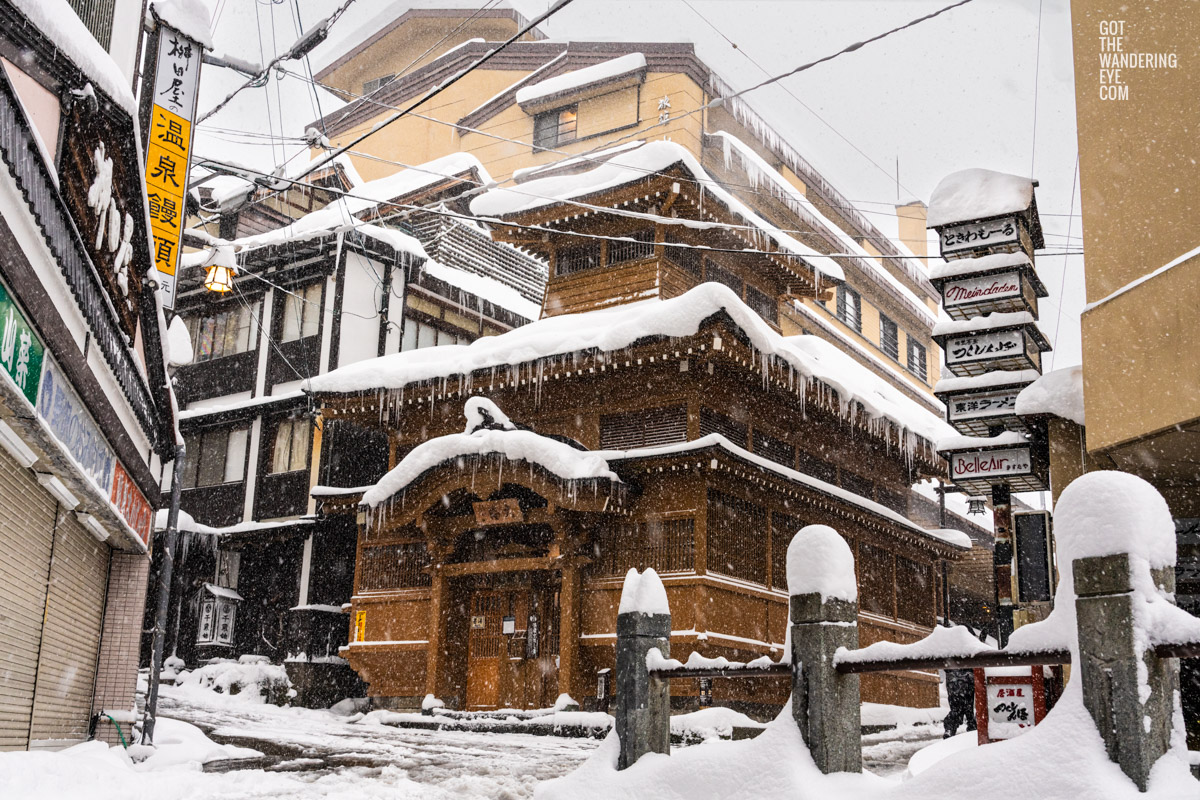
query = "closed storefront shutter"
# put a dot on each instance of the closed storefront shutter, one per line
(62, 705)
(26, 528)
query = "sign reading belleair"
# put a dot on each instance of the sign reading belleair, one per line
(172, 113)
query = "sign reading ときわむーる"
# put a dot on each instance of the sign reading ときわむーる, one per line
(978, 235)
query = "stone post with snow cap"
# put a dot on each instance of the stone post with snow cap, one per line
(1119, 536)
(824, 617)
(643, 707)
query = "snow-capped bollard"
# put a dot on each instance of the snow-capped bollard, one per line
(643, 707)
(824, 617)
(1118, 533)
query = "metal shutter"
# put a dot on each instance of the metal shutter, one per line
(62, 705)
(26, 525)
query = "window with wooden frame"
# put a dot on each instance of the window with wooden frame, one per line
(640, 248)
(783, 529)
(552, 128)
(863, 487)
(715, 273)
(777, 450)
(570, 260)
(226, 332)
(716, 422)
(737, 538)
(763, 304)
(645, 428)
(394, 566)
(291, 450)
(419, 334)
(849, 307)
(666, 545)
(815, 466)
(876, 580)
(916, 360)
(686, 258)
(214, 456)
(914, 592)
(889, 338)
(301, 312)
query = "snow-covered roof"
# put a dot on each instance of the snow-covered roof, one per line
(580, 78)
(635, 165)
(61, 25)
(970, 266)
(558, 458)
(205, 408)
(188, 524)
(189, 17)
(1059, 393)
(221, 591)
(999, 377)
(988, 322)
(619, 327)
(487, 288)
(973, 194)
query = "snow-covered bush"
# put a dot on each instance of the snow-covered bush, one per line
(251, 678)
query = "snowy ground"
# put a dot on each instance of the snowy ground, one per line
(318, 754)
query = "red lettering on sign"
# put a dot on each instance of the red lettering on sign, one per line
(131, 504)
(960, 294)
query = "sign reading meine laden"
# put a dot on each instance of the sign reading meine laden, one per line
(176, 79)
(978, 288)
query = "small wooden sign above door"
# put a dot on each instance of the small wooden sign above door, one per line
(499, 512)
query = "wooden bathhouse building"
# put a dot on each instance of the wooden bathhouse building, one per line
(655, 416)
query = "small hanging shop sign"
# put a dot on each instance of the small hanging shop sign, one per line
(1005, 292)
(996, 235)
(976, 413)
(1022, 467)
(1002, 348)
(1008, 701)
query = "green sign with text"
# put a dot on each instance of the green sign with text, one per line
(20, 349)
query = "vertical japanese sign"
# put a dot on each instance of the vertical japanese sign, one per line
(172, 112)
(21, 351)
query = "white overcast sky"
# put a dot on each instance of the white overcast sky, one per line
(954, 92)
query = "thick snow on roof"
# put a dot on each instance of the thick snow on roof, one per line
(61, 25)
(643, 594)
(1059, 393)
(487, 288)
(978, 194)
(632, 166)
(819, 561)
(951, 327)
(969, 266)
(998, 377)
(188, 524)
(189, 17)
(605, 70)
(554, 456)
(619, 327)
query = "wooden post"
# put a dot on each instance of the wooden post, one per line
(568, 628)
(1002, 558)
(437, 626)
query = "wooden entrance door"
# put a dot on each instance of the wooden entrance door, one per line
(486, 647)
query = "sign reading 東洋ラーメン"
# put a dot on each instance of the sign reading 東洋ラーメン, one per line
(985, 404)
(176, 79)
(21, 351)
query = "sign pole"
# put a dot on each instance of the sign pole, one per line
(1002, 558)
(164, 597)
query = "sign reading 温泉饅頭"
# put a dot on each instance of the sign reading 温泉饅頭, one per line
(985, 404)
(172, 113)
(991, 463)
(978, 288)
(71, 424)
(21, 351)
(984, 346)
(979, 235)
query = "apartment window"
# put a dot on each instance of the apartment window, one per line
(301, 312)
(889, 337)
(223, 333)
(214, 456)
(553, 128)
(419, 334)
(849, 307)
(291, 446)
(916, 360)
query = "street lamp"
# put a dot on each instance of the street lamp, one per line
(220, 269)
(976, 505)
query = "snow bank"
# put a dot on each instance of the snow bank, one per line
(1059, 393)
(577, 79)
(819, 560)
(711, 723)
(561, 460)
(178, 743)
(189, 17)
(250, 679)
(643, 594)
(977, 194)
(634, 165)
(617, 328)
